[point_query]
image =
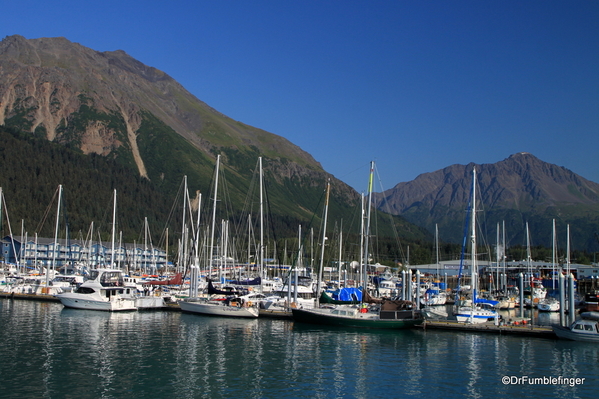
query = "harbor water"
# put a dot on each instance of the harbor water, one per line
(51, 352)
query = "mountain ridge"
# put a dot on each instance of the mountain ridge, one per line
(520, 188)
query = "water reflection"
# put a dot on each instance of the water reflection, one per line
(75, 353)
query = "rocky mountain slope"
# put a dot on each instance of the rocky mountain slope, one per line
(519, 189)
(110, 104)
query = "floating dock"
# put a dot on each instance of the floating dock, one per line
(490, 327)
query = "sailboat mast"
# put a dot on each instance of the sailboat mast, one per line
(473, 238)
(55, 235)
(214, 213)
(324, 238)
(261, 269)
(367, 229)
(553, 255)
(113, 229)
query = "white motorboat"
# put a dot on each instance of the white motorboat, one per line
(104, 290)
(548, 305)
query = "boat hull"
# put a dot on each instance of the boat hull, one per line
(566, 333)
(210, 309)
(314, 317)
(75, 301)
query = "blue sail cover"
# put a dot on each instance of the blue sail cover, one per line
(485, 301)
(348, 294)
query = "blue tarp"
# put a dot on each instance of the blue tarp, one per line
(348, 294)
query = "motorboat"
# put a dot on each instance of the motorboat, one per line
(548, 305)
(584, 329)
(104, 290)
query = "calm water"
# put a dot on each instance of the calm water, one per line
(51, 352)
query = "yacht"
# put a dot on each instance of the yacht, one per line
(104, 290)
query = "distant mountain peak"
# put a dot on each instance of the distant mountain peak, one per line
(521, 186)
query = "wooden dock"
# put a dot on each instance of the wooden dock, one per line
(489, 327)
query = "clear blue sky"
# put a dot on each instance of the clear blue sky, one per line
(414, 85)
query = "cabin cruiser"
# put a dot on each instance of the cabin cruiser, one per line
(105, 290)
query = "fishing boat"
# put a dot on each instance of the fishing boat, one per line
(104, 290)
(475, 310)
(584, 329)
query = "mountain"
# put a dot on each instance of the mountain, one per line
(519, 189)
(108, 104)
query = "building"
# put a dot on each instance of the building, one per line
(45, 252)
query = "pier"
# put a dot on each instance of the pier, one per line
(489, 327)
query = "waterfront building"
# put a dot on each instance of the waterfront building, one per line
(44, 252)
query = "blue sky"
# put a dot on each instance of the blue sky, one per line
(414, 85)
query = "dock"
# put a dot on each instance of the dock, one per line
(507, 329)
(32, 297)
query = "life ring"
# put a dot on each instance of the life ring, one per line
(363, 310)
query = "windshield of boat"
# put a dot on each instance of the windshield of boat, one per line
(111, 279)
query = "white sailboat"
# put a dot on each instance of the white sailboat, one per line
(218, 304)
(475, 310)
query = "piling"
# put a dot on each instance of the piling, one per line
(571, 309)
(562, 301)
(521, 286)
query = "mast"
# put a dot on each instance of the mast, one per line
(437, 246)
(568, 251)
(214, 213)
(261, 268)
(367, 227)
(55, 236)
(340, 250)
(183, 230)
(528, 256)
(324, 238)
(504, 257)
(473, 239)
(113, 229)
(553, 255)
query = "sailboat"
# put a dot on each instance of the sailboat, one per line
(371, 312)
(476, 310)
(218, 304)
